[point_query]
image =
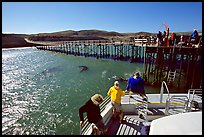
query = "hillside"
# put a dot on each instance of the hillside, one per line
(81, 33)
(17, 40)
(14, 40)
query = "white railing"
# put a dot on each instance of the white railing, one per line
(145, 41)
(176, 104)
(191, 97)
(184, 103)
(162, 90)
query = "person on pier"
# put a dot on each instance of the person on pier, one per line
(159, 38)
(194, 37)
(166, 40)
(173, 38)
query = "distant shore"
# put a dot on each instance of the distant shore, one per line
(17, 40)
(14, 41)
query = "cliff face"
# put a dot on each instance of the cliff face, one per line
(14, 40)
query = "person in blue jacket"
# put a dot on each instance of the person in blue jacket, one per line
(194, 36)
(136, 85)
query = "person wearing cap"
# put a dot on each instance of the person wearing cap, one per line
(116, 93)
(91, 107)
(173, 38)
(136, 85)
(194, 36)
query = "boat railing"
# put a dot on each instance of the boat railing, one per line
(176, 104)
(163, 85)
(87, 125)
(193, 94)
(141, 109)
(183, 103)
(104, 103)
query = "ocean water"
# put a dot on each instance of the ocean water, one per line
(42, 91)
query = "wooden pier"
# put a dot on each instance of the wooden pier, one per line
(158, 61)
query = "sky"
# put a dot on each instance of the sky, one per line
(123, 17)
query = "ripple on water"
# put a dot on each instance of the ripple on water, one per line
(34, 103)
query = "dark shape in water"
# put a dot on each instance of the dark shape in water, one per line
(121, 79)
(45, 72)
(83, 68)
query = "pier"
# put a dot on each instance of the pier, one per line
(158, 61)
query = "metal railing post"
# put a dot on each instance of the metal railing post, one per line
(162, 90)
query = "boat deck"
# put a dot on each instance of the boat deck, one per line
(133, 125)
(133, 106)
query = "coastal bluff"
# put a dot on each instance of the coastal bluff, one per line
(14, 40)
(17, 40)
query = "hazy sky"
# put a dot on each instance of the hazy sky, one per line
(39, 17)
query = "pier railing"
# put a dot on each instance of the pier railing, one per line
(148, 41)
(96, 42)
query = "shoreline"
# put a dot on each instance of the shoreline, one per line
(16, 48)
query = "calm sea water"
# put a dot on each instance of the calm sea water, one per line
(42, 91)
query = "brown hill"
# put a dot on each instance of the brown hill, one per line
(17, 40)
(14, 40)
(82, 33)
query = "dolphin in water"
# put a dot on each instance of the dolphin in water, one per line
(121, 79)
(83, 68)
(47, 72)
